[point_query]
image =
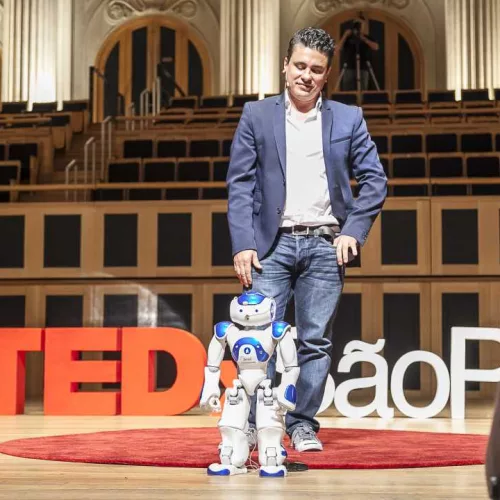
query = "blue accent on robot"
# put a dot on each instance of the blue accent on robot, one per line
(280, 473)
(221, 328)
(222, 472)
(246, 341)
(291, 394)
(250, 299)
(279, 328)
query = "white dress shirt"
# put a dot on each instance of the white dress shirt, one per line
(307, 197)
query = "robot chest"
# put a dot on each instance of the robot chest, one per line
(250, 350)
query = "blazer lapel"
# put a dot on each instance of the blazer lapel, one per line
(280, 131)
(327, 124)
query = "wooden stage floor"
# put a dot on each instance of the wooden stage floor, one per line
(44, 480)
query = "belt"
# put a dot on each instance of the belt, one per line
(328, 232)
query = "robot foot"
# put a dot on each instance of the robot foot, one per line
(494, 487)
(225, 470)
(272, 471)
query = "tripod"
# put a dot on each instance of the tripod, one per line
(358, 71)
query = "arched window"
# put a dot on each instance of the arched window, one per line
(140, 50)
(399, 62)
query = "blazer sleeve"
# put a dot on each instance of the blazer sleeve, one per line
(372, 181)
(241, 184)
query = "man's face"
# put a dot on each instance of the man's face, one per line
(306, 73)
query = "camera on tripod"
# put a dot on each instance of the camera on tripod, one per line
(356, 28)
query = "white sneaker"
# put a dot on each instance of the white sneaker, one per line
(305, 439)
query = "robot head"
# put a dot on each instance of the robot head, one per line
(252, 309)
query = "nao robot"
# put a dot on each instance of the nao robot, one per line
(252, 339)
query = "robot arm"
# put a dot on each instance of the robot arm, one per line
(286, 392)
(211, 392)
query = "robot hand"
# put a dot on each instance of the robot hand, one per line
(282, 400)
(210, 399)
(214, 404)
(286, 393)
(210, 395)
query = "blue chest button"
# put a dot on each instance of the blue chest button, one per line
(244, 343)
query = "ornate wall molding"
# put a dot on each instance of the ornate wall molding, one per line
(118, 11)
(325, 6)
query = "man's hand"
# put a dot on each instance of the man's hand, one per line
(243, 262)
(343, 243)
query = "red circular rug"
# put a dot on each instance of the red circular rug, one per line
(343, 448)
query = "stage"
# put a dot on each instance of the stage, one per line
(48, 480)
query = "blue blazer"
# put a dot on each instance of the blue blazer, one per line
(256, 177)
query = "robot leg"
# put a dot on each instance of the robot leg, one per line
(234, 449)
(271, 430)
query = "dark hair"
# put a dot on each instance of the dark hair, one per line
(313, 38)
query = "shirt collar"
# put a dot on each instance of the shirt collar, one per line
(311, 114)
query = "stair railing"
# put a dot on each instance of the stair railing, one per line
(72, 165)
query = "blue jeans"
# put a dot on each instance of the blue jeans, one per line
(307, 267)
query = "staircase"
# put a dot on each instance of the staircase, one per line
(61, 160)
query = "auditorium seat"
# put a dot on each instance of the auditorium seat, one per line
(108, 195)
(376, 107)
(476, 142)
(382, 143)
(214, 194)
(407, 143)
(482, 165)
(476, 98)
(182, 194)
(138, 148)
(375, 99)
(230, 119)
(384, 160)
(411, 190)
(138, 194)
(220, 167)
(190, 169)
(349, 98)
(226, 147)
(407, 166)
(12, 108)
(449, 190)
(174, 148)
(10, 172)
(239, 100)
(189, 102)
(485, 190)
(408, 99)
(203, 120)
(159, 170)
(446, 165)
(125, 170)
(219, 101)
(204, 147)
(441, 143)
(44, 107)
(23, 153)
(442, 99)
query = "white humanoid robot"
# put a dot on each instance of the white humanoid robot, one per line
(252, 339)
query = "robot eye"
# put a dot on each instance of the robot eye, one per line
(241, 310)
(256, 310)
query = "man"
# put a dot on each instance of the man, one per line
(292, 218)
(353, 41)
